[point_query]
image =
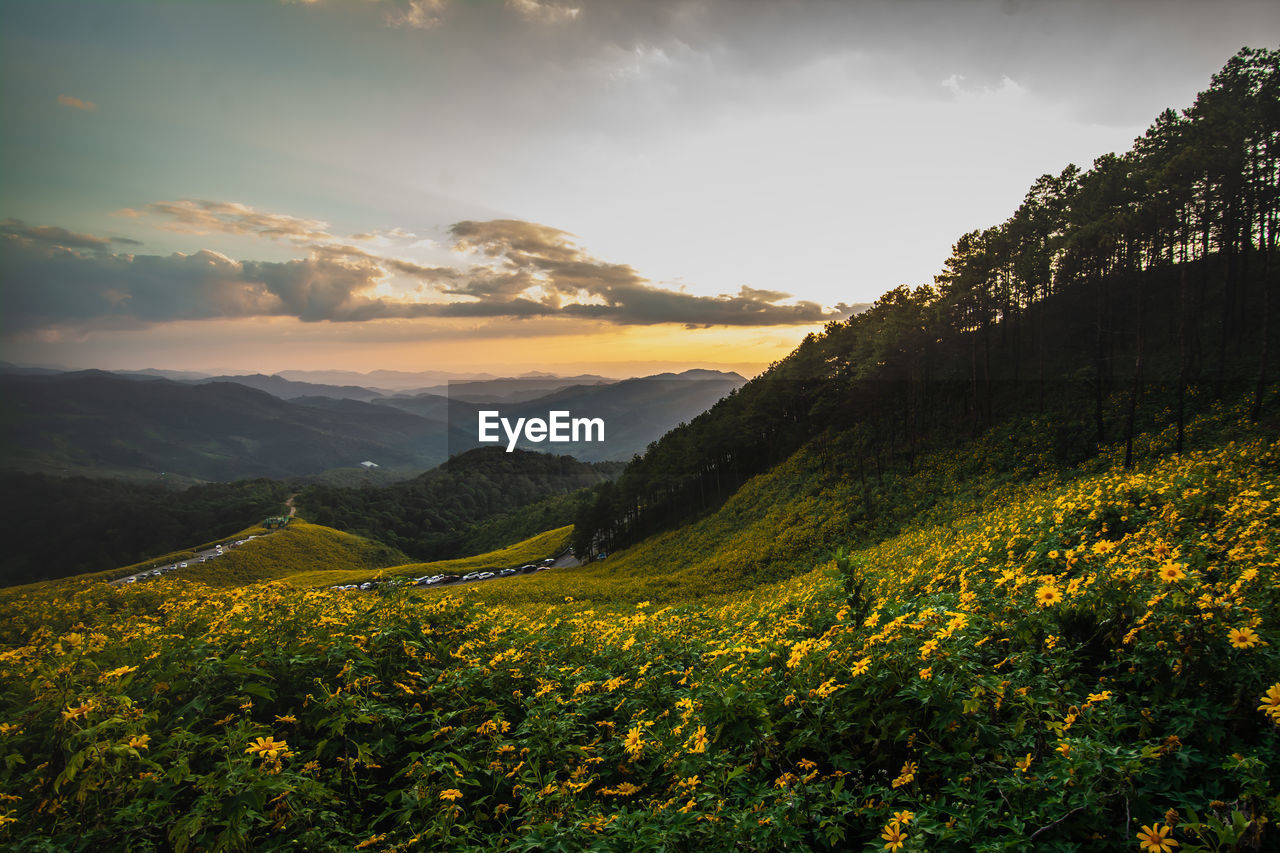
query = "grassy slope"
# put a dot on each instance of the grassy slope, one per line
(298, 547)
(112, 574)
(532, 549)
(793, 517)
(796, 515)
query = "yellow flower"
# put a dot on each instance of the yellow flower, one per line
(903, 817)
(139, 741)
(1243, 638)
(907, 774)
(634, 743)
(451, 794)
(1271, 702)
(1155, 839)
(626, 789)
(1171, 572)
(861, 666)
(893, 836)
(827, 688)
(287, 718)
(1023, 764)
(1048, 594)
(268, 747)
(78, 711)
(926, 673)
(699, 739)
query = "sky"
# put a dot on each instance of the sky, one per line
(618, 187)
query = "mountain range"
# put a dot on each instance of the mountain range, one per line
(229, 427)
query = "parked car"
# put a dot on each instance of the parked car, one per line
(506, 573)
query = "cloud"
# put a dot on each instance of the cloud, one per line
(418, 14)
(539, 259)
(52, 235)
(76, 103)
(540, 11)
(53, 277)
(200, 216)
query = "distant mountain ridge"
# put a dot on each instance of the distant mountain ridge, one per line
(223, 428)
(289, 389)
(394, 380)
(96, 422)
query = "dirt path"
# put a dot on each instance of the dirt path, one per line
(293, 510)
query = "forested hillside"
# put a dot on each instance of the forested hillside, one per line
(428, 517)
(66, 526)
(1110, 293)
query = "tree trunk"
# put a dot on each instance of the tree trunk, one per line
(1261, 387)
(1136, 391)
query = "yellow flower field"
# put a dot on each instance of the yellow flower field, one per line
(1069, 664)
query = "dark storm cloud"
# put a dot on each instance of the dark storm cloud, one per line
(53, 277)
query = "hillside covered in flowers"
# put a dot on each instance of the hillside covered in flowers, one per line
(1088, 661)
